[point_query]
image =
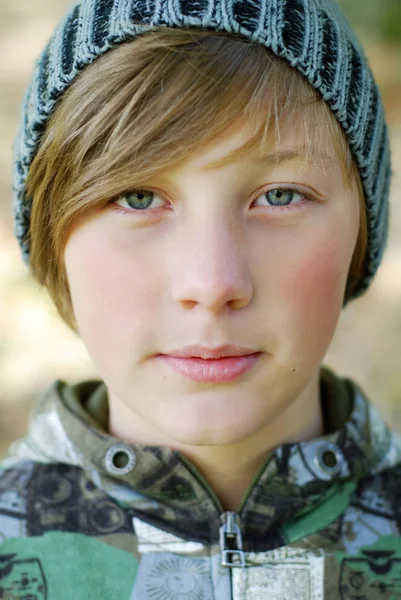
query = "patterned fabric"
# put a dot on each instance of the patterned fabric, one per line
(162, 487)
(321, 521)
(311, 35)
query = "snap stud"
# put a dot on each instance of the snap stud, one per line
(329, 459)
(120, 460)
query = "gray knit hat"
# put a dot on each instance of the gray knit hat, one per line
(312, 35)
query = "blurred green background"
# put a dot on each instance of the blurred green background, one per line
(380, 18)
(36, 348)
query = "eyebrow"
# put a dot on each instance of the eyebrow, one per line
(320, 159)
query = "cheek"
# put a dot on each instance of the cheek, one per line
(319, 276)
(112, 292)
(312, 287)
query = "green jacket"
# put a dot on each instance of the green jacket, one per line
(84, 516)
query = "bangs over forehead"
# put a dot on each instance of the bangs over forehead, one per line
(150, 104)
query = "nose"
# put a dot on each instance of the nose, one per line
(212, 269)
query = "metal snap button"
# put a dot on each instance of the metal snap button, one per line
(120, 460)
(329, 459)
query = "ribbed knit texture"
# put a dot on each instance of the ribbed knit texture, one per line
(312, 35)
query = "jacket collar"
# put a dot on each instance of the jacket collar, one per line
(161, 487)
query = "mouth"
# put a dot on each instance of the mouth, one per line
(211, 365)
(208, 353)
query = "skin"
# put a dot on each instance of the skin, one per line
(211, 263)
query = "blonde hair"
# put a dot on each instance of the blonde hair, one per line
(146, 106)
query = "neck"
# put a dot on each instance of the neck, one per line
(230, 469)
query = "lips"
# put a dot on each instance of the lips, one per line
(211, 365)
(206, 352)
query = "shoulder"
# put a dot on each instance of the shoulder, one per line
(380, 495)
(53, 528)
(36, 498)
(374, 512)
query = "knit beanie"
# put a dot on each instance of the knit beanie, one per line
(311, 35)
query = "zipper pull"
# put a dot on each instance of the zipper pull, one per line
(232, 554)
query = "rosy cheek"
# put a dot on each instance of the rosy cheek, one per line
(320, 277)
(115, 294)
(313, 291)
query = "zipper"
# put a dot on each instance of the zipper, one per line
(230, 536)
(232, 554)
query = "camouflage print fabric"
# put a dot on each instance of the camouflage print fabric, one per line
(83, 515)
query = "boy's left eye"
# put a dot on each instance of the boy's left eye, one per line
(280, 197)
(139, 200)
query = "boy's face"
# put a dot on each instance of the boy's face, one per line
(212, 261)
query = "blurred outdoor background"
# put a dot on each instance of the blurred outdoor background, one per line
(36, 348)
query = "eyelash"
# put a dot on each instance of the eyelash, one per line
(306, 198)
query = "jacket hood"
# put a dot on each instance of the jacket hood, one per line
(164, 489)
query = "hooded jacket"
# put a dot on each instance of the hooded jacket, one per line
(85, 516)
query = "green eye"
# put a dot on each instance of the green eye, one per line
(282, 197)
(139, 199)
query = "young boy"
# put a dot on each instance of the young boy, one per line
(202, 186)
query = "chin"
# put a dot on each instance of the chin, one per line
(210, 419)
(212, 433)
(206, 438)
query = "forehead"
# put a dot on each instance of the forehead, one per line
(276, 150)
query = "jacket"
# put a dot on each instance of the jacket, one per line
(85, 516)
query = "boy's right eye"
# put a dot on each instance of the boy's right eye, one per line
(139, 200)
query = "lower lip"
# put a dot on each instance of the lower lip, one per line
(217, 370)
